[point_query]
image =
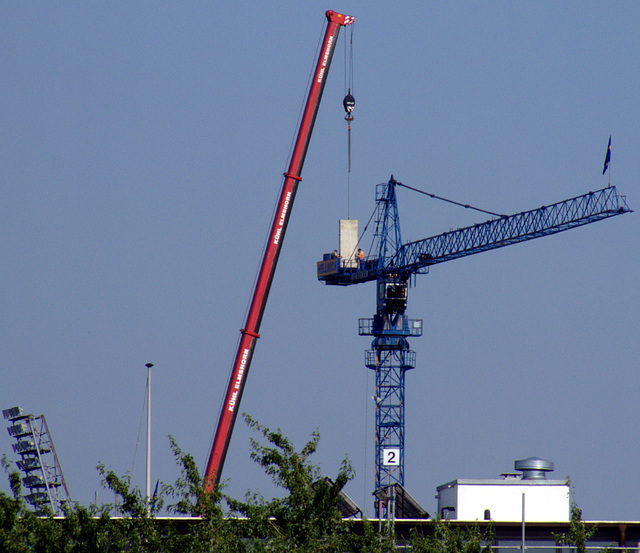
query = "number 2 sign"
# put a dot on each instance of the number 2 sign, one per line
(390, 457)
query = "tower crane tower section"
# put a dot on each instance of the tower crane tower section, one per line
(391, 263)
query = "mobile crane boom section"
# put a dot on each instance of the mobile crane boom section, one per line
(249, 334)
(416, 257)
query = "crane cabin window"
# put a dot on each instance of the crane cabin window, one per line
(392, 295)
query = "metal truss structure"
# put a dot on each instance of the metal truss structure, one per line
(391, 264)
(47, 489)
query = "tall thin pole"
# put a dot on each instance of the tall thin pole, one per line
(523, 518)
(148, 489)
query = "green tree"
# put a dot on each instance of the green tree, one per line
(579, 534)
(215, 531)
(135, 528)
(445, 538)
(307, 517)
(14, 534)
(140, 531)
(22, 530)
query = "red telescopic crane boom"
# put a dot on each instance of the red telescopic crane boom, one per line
(249, 334)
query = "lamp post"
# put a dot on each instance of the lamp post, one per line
(149, 365)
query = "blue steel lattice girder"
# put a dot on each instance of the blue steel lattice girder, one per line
(390, 420)
(387, 232)
(416, 257)
(507, 230)
(405, 327)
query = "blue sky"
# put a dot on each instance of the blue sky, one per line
(141, 155)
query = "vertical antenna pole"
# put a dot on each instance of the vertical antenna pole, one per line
(523, 543)
(148, 488)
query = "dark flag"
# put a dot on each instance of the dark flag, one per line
(155, 496)
(607, 159)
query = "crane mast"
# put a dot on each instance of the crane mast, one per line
(392, 263)
(250, 332)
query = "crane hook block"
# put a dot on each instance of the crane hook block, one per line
(349, 103)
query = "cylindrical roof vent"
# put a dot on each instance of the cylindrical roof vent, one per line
(534, 468)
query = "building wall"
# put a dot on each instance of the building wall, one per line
(545, 501)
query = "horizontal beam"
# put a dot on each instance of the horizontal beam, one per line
(507, 230)
(416, 257)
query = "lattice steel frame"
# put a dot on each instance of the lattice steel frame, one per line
(38, 462)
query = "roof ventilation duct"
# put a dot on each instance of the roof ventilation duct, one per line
(534, 468)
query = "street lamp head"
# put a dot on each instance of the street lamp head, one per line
(149, 365)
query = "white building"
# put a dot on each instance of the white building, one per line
(507, 498)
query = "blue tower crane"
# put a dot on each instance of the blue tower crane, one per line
(392, 263)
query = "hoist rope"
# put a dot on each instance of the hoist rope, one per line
(348, 63)
(348, 87)
(364, 230)
(304, 99)
(466, 206)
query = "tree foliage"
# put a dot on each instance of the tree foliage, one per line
(579, 534)
(81, 530)
(305, 518)
(445, 538)
(130, 526)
